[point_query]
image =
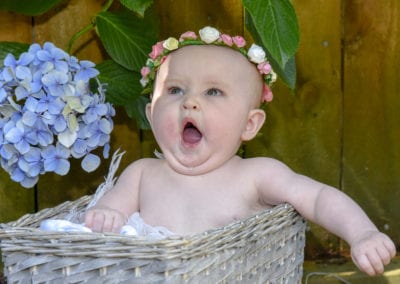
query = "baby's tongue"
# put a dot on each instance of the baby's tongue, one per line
(191, 135)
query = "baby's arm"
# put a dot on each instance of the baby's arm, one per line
(112, 210)
(333, 210)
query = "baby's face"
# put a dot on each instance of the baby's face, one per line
(200, 106)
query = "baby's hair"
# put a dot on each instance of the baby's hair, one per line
(208, 36)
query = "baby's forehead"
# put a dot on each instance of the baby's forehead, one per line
(218, 53)
(211, 56)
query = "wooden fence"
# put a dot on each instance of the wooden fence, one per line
(342, 125)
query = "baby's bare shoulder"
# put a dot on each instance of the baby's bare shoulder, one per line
(141, 165)
(264, 163)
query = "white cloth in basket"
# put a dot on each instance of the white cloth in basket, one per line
(134, 227)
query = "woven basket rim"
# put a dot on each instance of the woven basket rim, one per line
(19, 228)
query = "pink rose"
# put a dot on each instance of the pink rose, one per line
(145, 71)
(188, 35)
(227, 39)
(239, 41)
(264, 67)
(157, 49)
(267, 94)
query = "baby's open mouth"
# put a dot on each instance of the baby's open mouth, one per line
(191, 134)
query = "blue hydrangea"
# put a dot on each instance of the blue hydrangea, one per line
(49, 113)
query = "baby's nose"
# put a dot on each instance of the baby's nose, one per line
(191, 103)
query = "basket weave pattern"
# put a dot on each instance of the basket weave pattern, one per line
(265, 248)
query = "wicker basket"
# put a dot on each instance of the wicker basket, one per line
(265, 248)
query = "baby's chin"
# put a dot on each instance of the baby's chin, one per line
(190, 168)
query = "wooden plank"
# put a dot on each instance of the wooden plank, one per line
(371, 161)
(14, 200)
(304, 130)
(14, 27)
(178, 16)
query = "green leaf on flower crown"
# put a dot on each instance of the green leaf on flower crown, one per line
(138, 6)
(16, 48)
(126, 38)
(276, 24)
(124, 89)
(286, 74)
(28, 7)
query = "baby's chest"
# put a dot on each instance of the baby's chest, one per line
(196, 209)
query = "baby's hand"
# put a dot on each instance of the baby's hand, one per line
(372, 252)
(104, 219)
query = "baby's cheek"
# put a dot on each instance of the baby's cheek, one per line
(166, 130)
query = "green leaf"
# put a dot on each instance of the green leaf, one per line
(124, 89)
(286, 74)
(276, 23)
(138, 6)
(137, 109)
(28, 7)
(15, 48)
(126, 38)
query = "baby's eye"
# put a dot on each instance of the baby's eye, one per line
(175, 91)
(214, 92)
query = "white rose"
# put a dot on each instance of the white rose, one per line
(256, 54)
(209, 34)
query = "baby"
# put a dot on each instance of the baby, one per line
(206, 93)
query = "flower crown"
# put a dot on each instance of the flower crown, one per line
(211, 36)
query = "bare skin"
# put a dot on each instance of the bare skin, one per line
(201, 183)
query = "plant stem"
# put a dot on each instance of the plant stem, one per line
(107, 5)
(77, 35)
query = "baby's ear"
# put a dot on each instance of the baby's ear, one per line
(255, 121)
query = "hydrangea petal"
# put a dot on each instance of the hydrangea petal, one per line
(79, 149)
(29, 118)
(106, 151)
(31, 104)
(90, 163)
(23, 72)
(3, 95)
(10, 61)
(22, 146)
(25, 58)
(101, 109)
(67, 138)
(21, 93)
(14, 135)
(62, 167)
(17, 175)
(105, 126)
(44, 137)
(60, 124)
(29, 182)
